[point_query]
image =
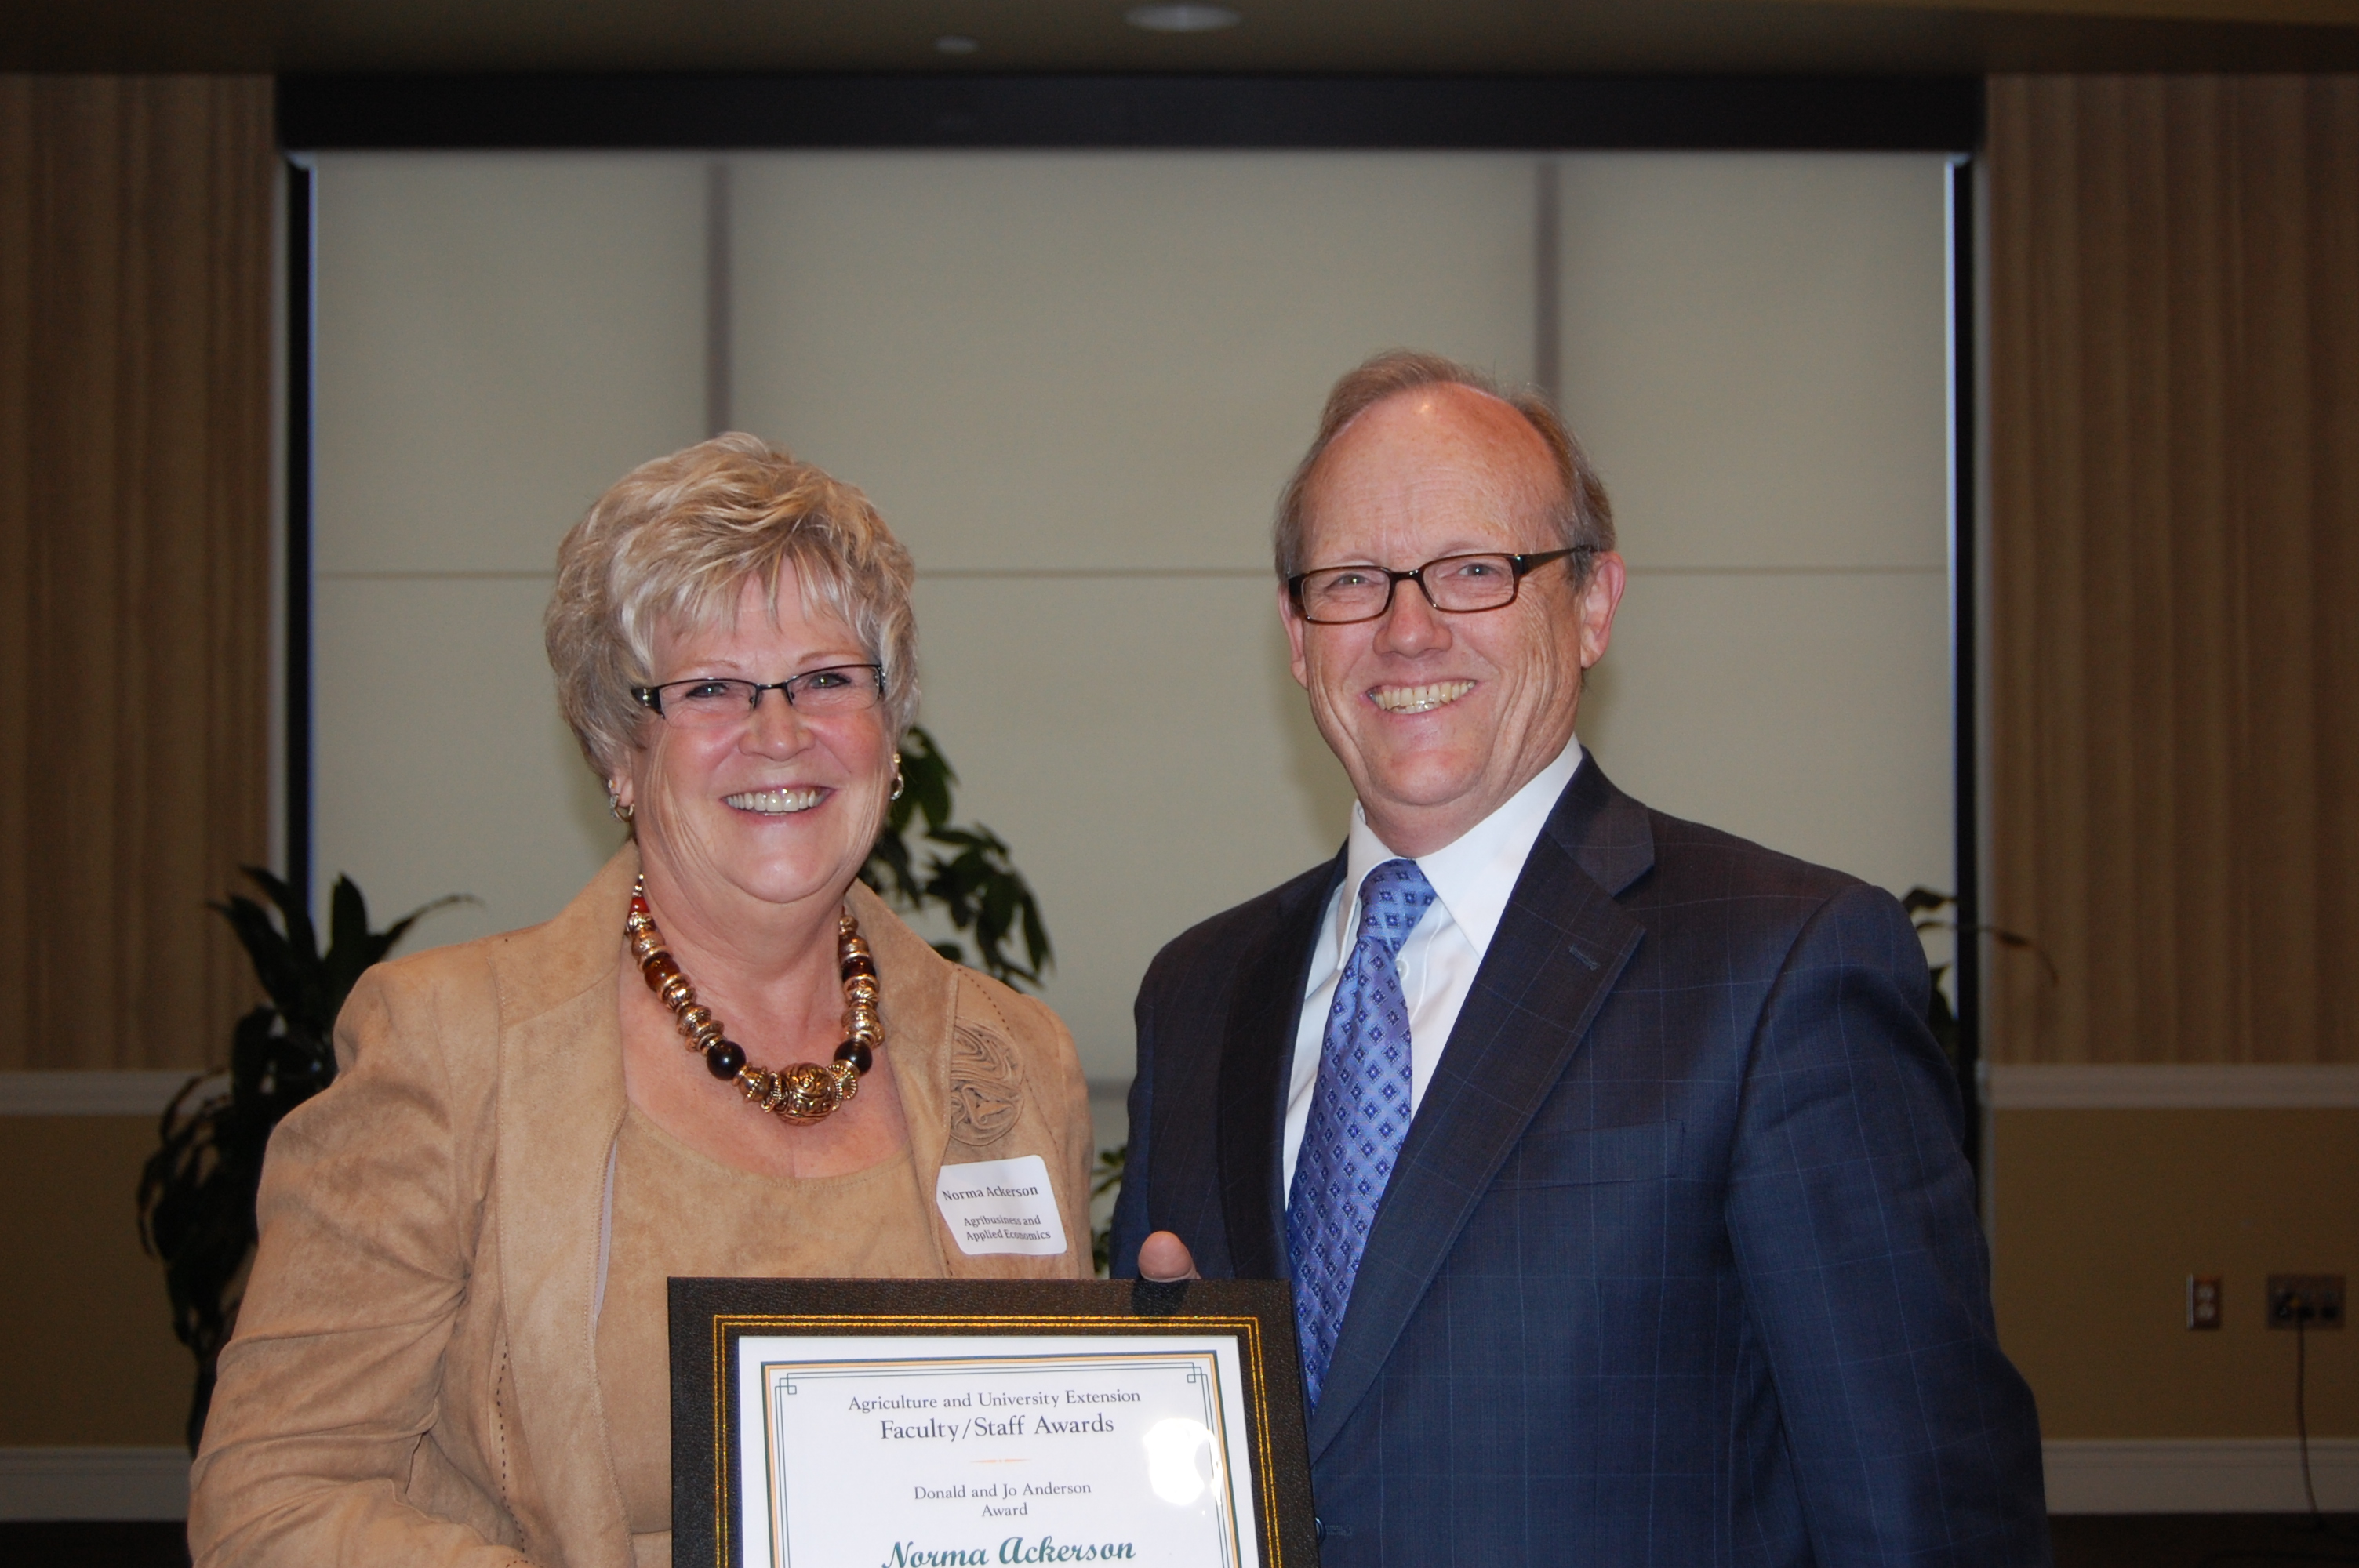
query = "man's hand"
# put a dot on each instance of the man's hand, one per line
(1164, 1258)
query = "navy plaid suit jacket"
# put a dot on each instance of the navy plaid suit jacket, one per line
(1679, 1263)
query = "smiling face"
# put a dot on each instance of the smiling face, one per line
(778, 809)
(1439, 719)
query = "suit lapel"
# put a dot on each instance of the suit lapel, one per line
(1257, 1051)
(1557, 954)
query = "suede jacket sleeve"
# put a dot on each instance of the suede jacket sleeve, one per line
(323, 1432)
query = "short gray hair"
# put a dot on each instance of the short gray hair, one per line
(1583, 518)
(678, 538)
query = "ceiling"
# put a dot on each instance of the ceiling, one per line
(1477, 37)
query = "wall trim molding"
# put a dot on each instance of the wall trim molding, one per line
(2118, 1087)
(2223, 1086)
(2198, 1474)
(93, 1483)
(88, 1094)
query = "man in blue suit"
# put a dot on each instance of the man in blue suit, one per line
(1615, 1171)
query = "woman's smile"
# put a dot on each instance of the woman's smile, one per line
(777, 802)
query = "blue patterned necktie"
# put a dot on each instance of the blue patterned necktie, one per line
(1359, 1114)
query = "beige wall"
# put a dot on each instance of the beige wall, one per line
(1075, 383)
(87, 1357)
(1045, 364)
(1754, 352)
(2100, 1217)
(1105, 365)
(563, 343)
(499, 337)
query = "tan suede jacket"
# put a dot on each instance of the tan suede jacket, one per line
(414, 1376)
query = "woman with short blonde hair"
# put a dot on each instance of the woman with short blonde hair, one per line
(725, 1057)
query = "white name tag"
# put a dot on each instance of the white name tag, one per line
(1001, 1206)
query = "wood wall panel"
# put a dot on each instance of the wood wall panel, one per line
(134, 570)
(2174, 666)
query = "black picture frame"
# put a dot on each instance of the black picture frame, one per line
(709, 1315)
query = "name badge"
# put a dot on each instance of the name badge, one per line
(1001, 1206)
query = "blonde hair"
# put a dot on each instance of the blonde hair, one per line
(677, 539)
(1584, 517)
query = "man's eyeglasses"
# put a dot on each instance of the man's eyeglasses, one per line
(1459, 585)
(709, 702)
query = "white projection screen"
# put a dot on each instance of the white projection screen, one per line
(1074, 383)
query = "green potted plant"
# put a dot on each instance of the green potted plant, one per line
(976, 885)
(196, 1192)
(1924, 905)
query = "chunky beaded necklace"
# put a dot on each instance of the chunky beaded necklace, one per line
(804, 1093)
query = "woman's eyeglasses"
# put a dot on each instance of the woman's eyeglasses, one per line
(711, 701)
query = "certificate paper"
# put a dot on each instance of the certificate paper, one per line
(955, 1423)
(1027, 1449)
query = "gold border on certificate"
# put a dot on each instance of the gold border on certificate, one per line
(1201, 1367)
(941, 1483)
(1245, 1331)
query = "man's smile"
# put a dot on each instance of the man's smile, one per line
(777, 802)
(1419, 698)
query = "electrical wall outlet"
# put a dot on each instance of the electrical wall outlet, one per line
(2312, 1301)
(2202, 1300)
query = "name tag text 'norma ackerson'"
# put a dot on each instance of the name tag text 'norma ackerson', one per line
(988, 1190)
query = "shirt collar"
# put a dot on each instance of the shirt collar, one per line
(1472, 875)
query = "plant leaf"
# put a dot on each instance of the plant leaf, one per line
(382, 942)
(1917, 900)
(927, 778)
(285, 972)
(298, 920)
(197, 1190)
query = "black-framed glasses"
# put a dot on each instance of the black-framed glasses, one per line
(1459, 585)
(710, 702)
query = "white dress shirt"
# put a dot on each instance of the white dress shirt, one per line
(1472, 878)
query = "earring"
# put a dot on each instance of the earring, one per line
(899, 783)
(615, 804)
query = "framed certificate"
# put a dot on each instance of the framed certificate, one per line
(893, 1423)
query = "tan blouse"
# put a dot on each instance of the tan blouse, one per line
(680, 1212)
